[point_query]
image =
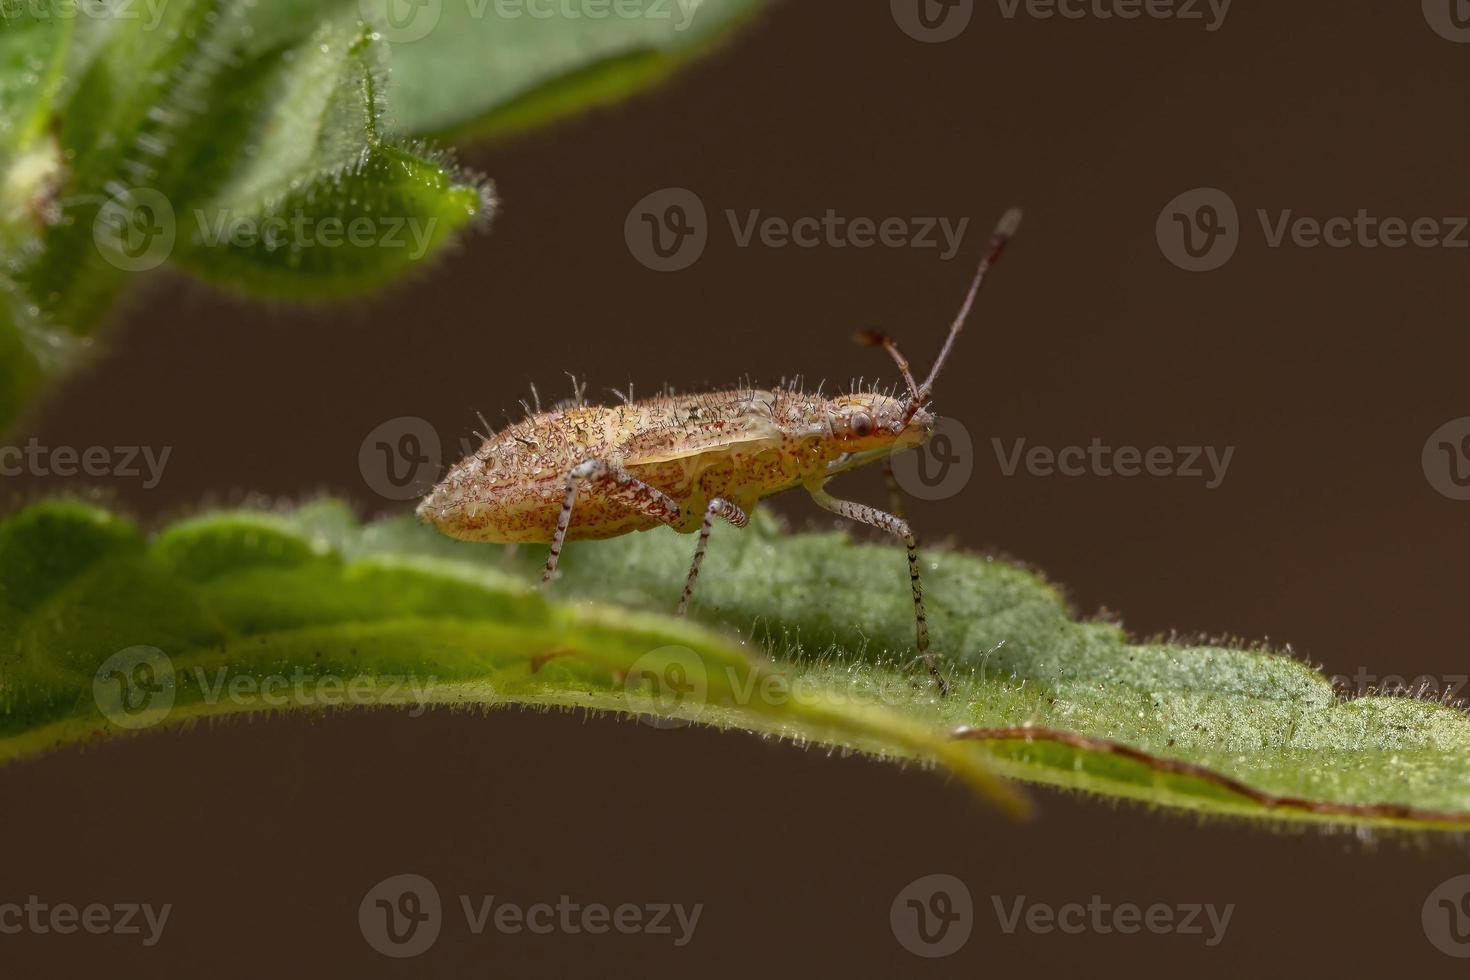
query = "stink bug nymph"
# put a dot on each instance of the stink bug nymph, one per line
(585, 471)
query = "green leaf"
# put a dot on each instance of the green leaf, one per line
(133, 124)
(316, 203)
(108, 631)
(248, 142)
(259, 167)
(342, 233)
(241, 141)
(33, 54)
(30, 351)
(33, 51)
(489, 67)
(20, 371)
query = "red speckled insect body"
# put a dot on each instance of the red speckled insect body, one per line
(738, 446)
(584, 471)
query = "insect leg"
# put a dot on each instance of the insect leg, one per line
(649, 499)
(718, 507)
(899, 528)
(895, 495)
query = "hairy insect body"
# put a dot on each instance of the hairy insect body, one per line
(686, 461)
(740, 445)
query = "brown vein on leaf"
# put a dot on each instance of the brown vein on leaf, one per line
(1178, 767)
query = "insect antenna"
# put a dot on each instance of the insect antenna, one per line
(919, 394)
(1004, 231)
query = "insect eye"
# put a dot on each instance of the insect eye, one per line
(862, 425)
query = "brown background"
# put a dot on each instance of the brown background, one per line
(1327, 369)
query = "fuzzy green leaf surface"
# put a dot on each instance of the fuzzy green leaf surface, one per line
(313, 202)
(489, 67)
(240, 141)
(105, 630)
(271, 147)
(33, 53)
(263, 170)
(33, 50)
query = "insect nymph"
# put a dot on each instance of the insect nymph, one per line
(591, 472)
